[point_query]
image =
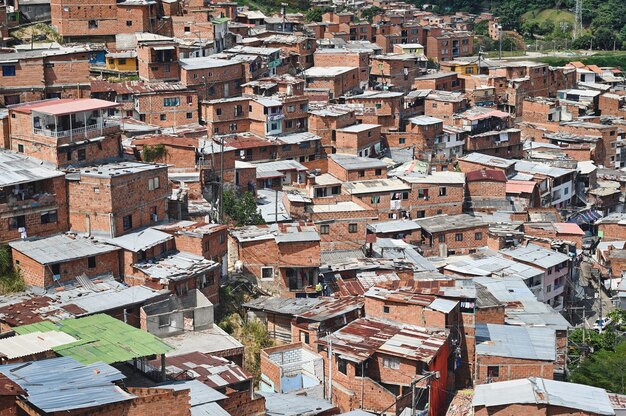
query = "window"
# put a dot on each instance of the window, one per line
(267, 272)
(56, 269)
(420, 214)
(402, 140)
(91, 262)
(129, 23)
(335, 190)
(49, 217)
(93, 24)
(478, 236)
(127, 222)
(222, 238)
(422, 193)
(458, 237)
(391, 362)
(443, 191)
(342, 366)
(171, 102)
(81, 154)
(189, 115)
(549, 288)
(375, 199)
(20, 148)
(361, 173)
(378, 172)
(352, 228)
(187, 29)
(493, 371)
(405, 195)
(324, 229)
(164, 321)
(442, 238)
(385, 309)
(8, 71)
(153, 183)
(304, 337)
(17, 222)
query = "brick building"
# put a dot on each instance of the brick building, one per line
(157, 58)
(447, 46)
(63, 257)
(500, 359)
(325, 121)
(284, 258)
(41, 74)
(390, 197)
(212, 78)
(537, 396)
(336, 80)
(33, 198)
(359, 139)
(66, 131)
(367, 373)
(445, 235)
(395, 72)
(117, 198)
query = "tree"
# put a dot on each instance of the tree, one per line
(605, 369)
(482, 28)
(315, 14)
(369, 13)
(241, 209)
(11, 279)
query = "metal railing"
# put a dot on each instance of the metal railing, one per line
(78, 131)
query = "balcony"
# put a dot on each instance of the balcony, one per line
(84, 132)
(16, 204)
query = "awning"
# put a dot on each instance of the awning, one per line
(585, 217)
(164, 48)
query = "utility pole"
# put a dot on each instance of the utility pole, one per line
(330, 368)
(500, 40)
(578, 25)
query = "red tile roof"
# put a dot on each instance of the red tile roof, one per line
(568, 228)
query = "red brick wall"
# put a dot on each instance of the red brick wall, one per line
(36, 274)
(512, 368)
(34, 227)
(153, 108)
(115, 198)
(405, 313)
(468, 243)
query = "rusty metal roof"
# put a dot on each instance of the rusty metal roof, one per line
(211, 370)
(362, 338)
(330, 308)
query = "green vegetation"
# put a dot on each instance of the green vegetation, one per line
(617, 59)
(11, 279)
(600, 359)
(369, 13)
(315, 14)
(549, 23)
(253, 335)
(605, 369)
(241, 209)
(154, 153)
(604, 21)
(39, 32)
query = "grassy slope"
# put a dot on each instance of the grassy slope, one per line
(617, 59)
(549, 14)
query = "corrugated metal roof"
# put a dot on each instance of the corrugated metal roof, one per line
(215, 372)
(393, 226)
(199, 392)
(61, 248)
(362, 338)
(33, 343)
(63, 384)
(101, 338)
(536, 255)
(530, 343)
(534, 390)
(444, 222)
(75, 106)
(17, 169)
(141, 240)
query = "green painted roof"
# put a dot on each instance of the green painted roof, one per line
(101, 338)
(221, 20)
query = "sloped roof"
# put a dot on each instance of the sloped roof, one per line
(101, 338)
(485, 175)
(63, 384)
(534, 390)
(530, 343)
